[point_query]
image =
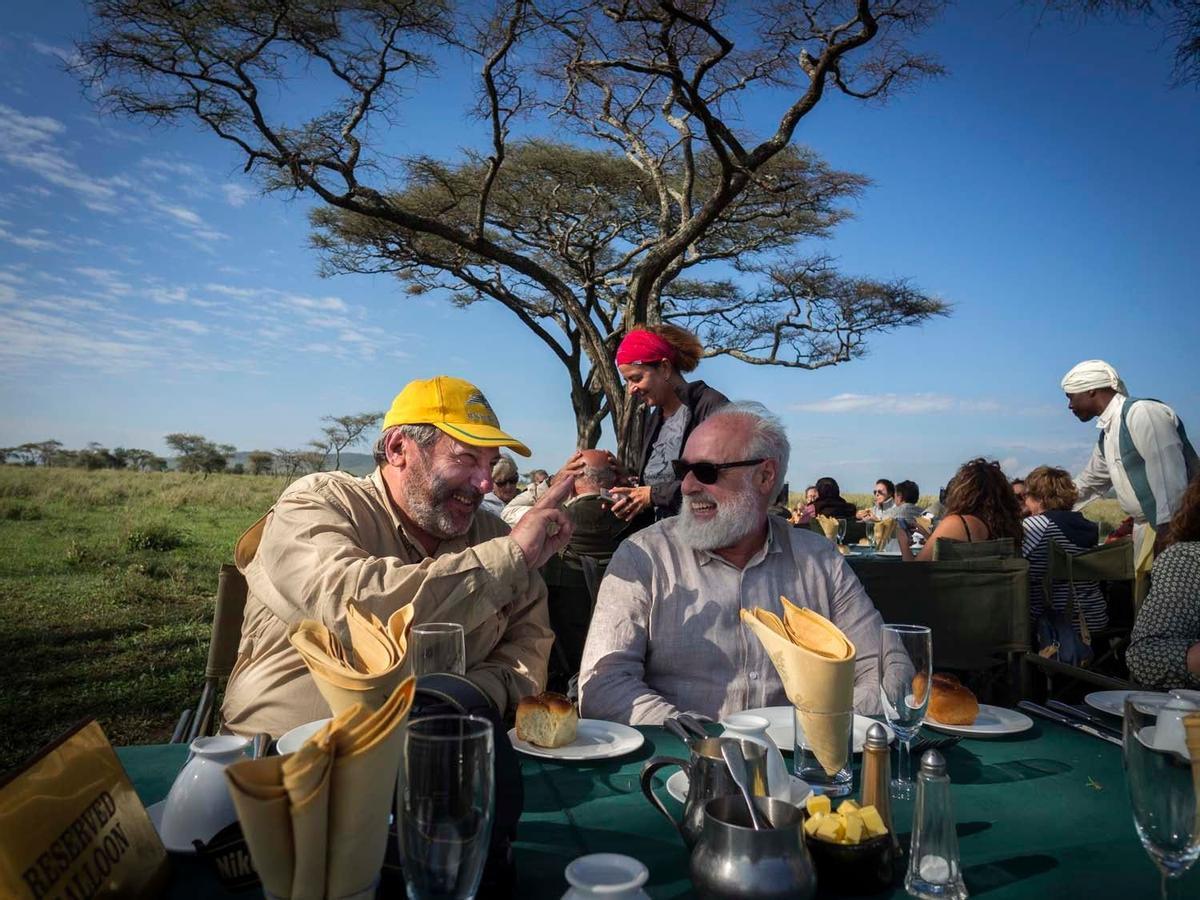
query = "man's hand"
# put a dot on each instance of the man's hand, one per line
(545, 529)
(630, 501)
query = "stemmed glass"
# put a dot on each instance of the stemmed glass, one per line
(438, 647)
(1164, 793)
(444, 807)
(843, 525)
(904, 652)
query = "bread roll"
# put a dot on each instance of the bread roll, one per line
(951, 702)
(547, 720)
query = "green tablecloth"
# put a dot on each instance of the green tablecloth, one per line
(1041, 814)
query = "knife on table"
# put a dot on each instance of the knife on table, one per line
(1075, 713)
(1053, 716)
(692, 724)
(678, 731)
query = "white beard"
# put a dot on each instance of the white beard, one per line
(734, 520)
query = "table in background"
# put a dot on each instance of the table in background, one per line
(1041, 814)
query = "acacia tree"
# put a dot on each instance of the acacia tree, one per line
(657, 83)
(346, 431)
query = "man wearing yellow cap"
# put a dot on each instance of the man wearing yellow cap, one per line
(406, 534)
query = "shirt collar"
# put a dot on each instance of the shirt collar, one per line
(1110, 412)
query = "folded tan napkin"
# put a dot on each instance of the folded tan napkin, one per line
(316, 821)
(815, 662)
(883, 532)
(367, 671)
(829, 525)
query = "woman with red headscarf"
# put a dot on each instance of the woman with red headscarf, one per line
(652, 361)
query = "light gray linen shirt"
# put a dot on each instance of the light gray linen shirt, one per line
(666, 636)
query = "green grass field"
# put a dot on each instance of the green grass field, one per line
(106, 587)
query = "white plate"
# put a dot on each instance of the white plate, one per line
(155, 811)
(594, 739)
(1112, 702)
(782, 723)
(291, 741)
(677, 787)
(992, 720)
(888, 554)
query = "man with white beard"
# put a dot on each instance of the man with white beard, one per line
(666, 636)
(408, 533)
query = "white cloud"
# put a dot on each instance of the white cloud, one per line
(189, 325)
(31, 143)
(235, 194)
(28, 241)
(908, 404)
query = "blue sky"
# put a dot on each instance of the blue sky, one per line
(1047, 187)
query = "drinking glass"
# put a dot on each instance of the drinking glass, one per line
(1162, 792)
(904, 651)
(444, 806)
(438, 647)
(843, 525)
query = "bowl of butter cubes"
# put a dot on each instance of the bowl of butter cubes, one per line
(851, 847)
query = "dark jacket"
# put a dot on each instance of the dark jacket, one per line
(700, 400)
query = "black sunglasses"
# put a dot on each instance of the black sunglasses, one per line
(707, 472)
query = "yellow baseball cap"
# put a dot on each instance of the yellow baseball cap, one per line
(455, 406)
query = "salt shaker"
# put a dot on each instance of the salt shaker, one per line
(877, 776)
(934, 872)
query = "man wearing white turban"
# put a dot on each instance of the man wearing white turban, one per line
(1143, 453)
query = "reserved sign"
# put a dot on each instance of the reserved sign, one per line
(72, 827)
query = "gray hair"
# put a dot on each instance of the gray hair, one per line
(768, 437)
(421, 435)
(603, 477)
(505, 469)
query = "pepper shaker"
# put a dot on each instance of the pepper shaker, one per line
(934, 872)
(877, 776)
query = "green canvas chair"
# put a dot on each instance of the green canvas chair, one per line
(944, 549)
(978, 610)
(222, 654)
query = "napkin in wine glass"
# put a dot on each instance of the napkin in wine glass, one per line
(367, 671)
(815, 661)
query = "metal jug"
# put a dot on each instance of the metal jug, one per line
(732, 860)
(708, 777)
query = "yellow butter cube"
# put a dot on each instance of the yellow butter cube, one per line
(812, 823)
(854, 829)
(873, 821)
(832, 828)
(847, 806)
(818, 803)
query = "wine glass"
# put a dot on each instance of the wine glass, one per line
(1162, 792)
(904, 652)
(444, 806)
(437, 647)
(843, 525)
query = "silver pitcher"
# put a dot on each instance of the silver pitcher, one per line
(732, 861)
(708, 777)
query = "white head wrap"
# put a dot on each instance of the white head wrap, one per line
(1093, 374)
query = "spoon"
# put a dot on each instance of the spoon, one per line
(731, 751)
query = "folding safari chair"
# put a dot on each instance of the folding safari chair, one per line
(948, 550)
(978, 610)
(222, 654)
(1106, 563)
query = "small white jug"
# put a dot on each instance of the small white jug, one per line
(199, 804)
(754, 728)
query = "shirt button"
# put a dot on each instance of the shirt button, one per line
(754, 676)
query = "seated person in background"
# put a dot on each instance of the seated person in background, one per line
(830, 502)
(885, 499)
(666, 636)
(803, 513)
(905, 508)
(504, 485)
(1164, 651)
(409, 533)
(937, 509)
(539, 482)
(573, 575)
(780, 507)
(1050, 495)
(980, 506)
(1021, 491)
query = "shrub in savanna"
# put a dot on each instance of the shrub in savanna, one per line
(157, 536)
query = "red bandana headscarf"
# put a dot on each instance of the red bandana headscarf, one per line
(641, 347)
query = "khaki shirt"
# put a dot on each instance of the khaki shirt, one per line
(332, 538)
